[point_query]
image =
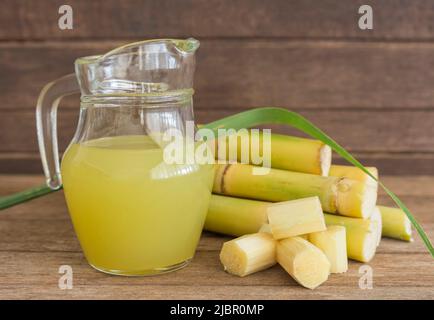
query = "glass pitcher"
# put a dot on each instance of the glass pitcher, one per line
(133, 213)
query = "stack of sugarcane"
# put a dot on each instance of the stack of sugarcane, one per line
(306, 214)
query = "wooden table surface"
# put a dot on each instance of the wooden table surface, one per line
(37, 237)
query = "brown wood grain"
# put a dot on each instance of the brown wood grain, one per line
(308, 56)
(13, 162)
(205, 279)
(404, 19)
(238, 74)
(37, 237)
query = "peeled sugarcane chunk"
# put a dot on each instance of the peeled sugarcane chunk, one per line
(248, 254)
(376, 217)
(361, 236)
(395, 223)
(296, 217)
(333, 243)
(304, 262)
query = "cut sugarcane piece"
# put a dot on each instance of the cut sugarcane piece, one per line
(295, 217)
(248, 254)
(395, 223)
(235, 216)
(267, 229)
(354, 173)
(361, 236)
(333, 243)
(303, 261)
(337, 195)
(288, 152)
(376, 217)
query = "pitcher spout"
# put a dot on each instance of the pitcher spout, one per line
(145, 67)
(186, 47)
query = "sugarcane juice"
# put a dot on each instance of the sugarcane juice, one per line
(132, 212)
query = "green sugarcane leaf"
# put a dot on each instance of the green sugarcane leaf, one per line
(25, 195)
(251, 118)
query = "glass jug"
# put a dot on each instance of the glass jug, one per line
(133, 213)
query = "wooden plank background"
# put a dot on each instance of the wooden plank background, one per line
(370, 90)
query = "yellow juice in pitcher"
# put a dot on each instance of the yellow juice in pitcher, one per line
(134, 214)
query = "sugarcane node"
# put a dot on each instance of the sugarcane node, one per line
(343, 185)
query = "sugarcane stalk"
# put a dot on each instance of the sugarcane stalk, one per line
(337, 195)
(354, 173)
(395, 223)
(287, 152)
(235, 216)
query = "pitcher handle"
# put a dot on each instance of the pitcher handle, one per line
(46, 125)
